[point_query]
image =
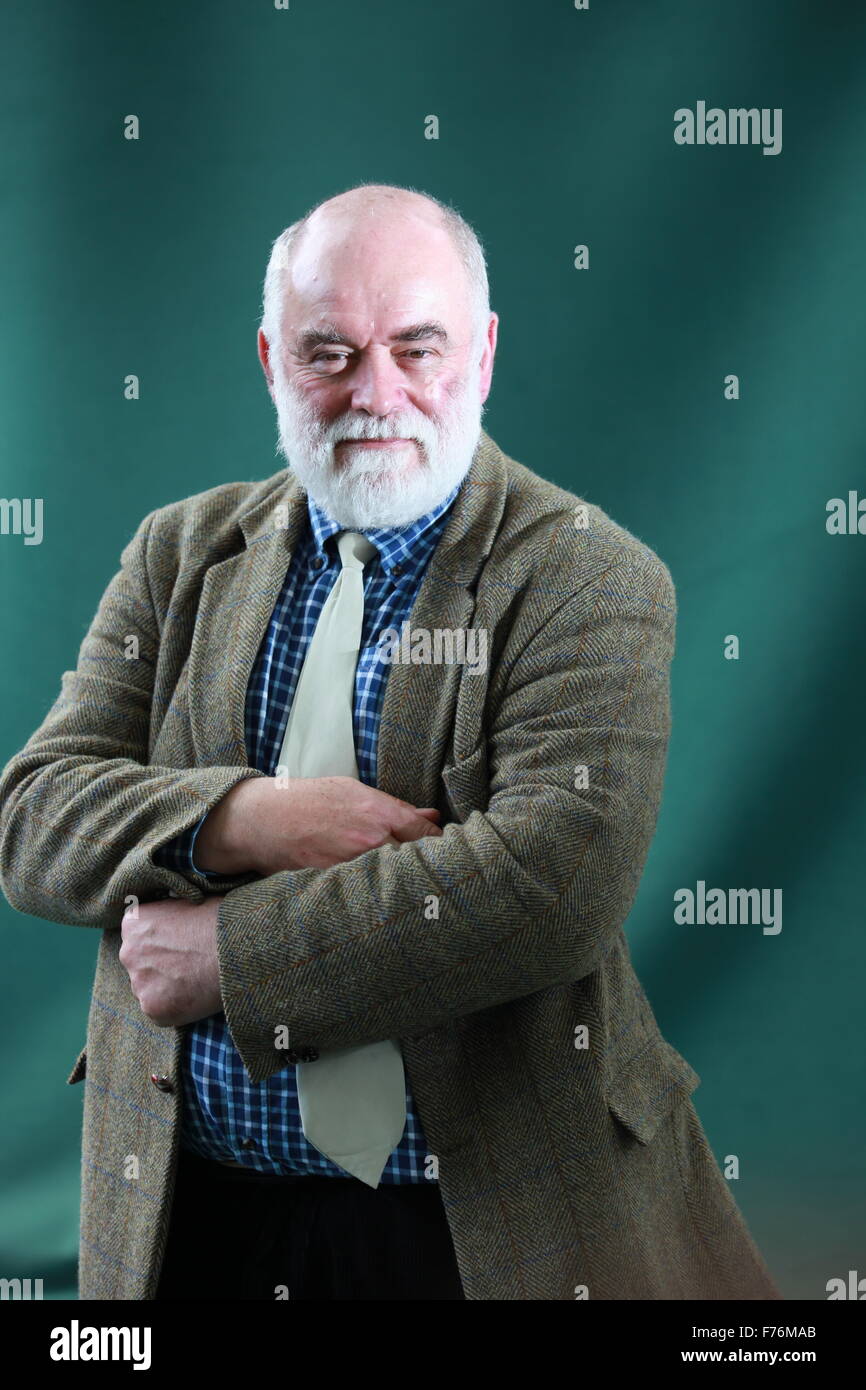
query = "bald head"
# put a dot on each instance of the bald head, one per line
(368, 212)
(371, 203)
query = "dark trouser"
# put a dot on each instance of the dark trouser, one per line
(239, 1234)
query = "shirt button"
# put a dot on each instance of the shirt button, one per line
(397, 569)
(248, 1143)
(317, 562)
(162, 1083)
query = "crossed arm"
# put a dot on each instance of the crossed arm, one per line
(266, 825)
(527, 892)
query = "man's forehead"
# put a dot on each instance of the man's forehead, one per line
(375, 281)
(360, 307)
(369, 304)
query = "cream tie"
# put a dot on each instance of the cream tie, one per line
(352, 1099)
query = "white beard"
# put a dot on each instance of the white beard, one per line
(377, 487)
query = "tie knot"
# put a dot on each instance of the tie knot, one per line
(355, 550)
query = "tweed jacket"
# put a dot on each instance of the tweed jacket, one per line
(571, 1161)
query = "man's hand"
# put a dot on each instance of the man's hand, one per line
(268, 824)
(169, 953)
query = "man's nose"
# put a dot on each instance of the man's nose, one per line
(377, 385)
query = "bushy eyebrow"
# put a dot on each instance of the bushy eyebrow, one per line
(330, 335)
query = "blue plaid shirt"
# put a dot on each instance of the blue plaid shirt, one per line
(225, 1115)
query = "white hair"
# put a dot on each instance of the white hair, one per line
(465, 239)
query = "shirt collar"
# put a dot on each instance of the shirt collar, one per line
(402, 549)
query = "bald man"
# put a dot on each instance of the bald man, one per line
(364, 1023)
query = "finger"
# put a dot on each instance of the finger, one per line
(415, 829)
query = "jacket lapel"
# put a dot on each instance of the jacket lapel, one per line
(237, 600)
(420, 700)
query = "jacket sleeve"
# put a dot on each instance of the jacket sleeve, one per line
(528, 892)
(82, 812)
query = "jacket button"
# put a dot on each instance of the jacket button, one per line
(162, 1083)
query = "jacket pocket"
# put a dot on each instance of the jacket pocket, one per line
(646, 1087)
(80, 1069)
(466, 783)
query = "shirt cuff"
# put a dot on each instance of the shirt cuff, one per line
(178, 854)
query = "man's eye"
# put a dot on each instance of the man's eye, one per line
(417, 354)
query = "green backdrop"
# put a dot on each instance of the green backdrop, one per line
(555, 130)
